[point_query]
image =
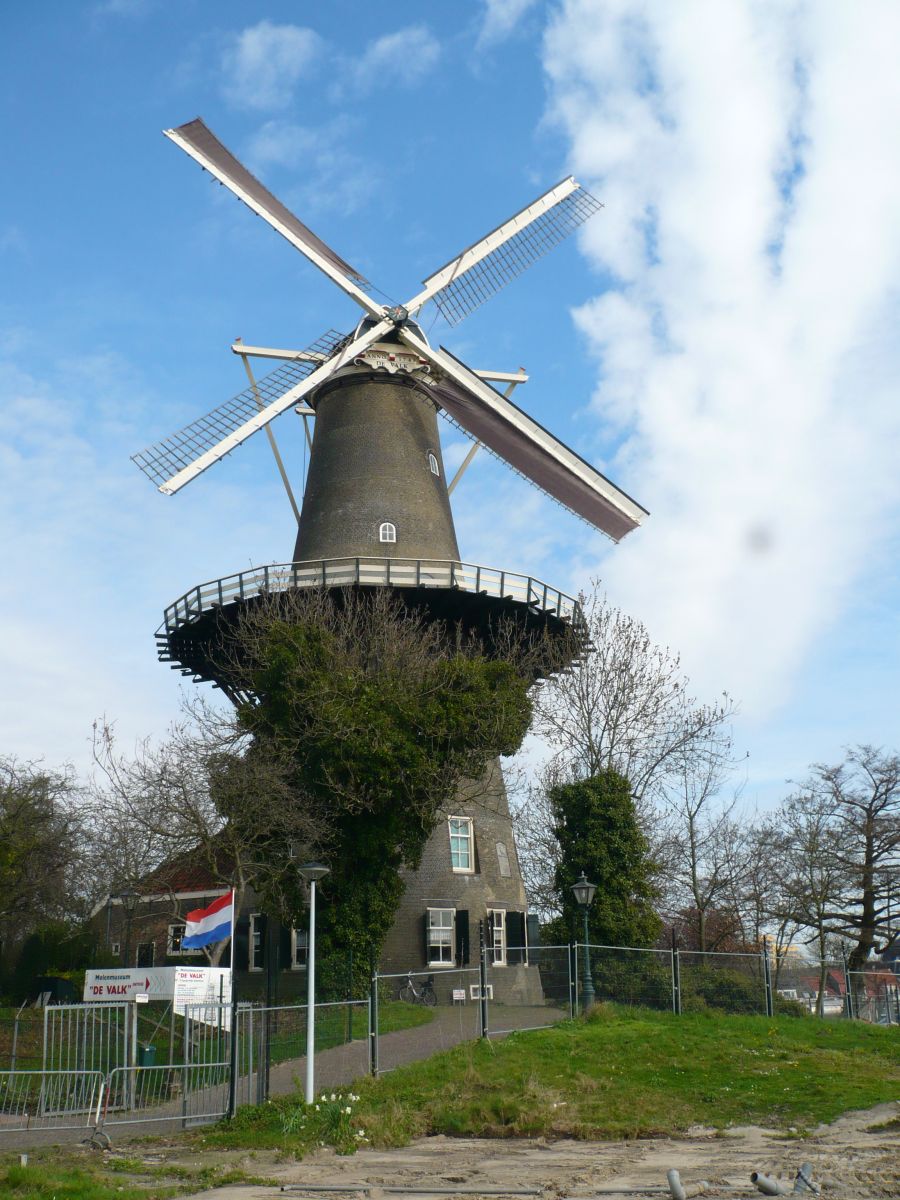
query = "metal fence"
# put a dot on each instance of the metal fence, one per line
(100, 1067)
(50, 1099)
(829, 989)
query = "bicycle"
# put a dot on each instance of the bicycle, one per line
(423, 995)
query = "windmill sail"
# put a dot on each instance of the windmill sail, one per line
(530, 449)
(197, 140)
(484, 268)
(165, 459)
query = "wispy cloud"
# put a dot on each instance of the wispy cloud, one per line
(747, 350)
(500, 19)
(263, 64)
(404, 58)
(333, 176)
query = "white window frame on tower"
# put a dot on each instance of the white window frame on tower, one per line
(433, 463)
(498, 936)
(441, 937)
(462, 835)
(387, 532)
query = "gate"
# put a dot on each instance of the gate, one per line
(88, 1037)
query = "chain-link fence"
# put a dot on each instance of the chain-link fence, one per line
(418, 1013)
(732, 983)
(623, 975)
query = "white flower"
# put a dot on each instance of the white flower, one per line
(333, 1096)
(347, 1110)
(317, 1108)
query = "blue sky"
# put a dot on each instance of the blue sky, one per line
(721, 339)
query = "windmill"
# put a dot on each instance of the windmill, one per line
(376, 509)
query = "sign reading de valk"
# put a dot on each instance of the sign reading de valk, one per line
(159, 983)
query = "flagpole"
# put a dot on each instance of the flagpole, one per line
(232, 1048)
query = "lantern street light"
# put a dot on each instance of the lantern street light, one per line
(311, 872)
(584, 894)
(129, 899)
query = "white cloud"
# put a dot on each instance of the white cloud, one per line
(501, 18)
(333, 178)
(265, 62)
(748, 159)
(405, 58)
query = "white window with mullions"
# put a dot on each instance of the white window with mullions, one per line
(387, 532)
(441, 923)
(497, 931)
(462, 845)
(433, 464)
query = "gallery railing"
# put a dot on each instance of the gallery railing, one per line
(371, 572)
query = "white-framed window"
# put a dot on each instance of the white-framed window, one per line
(174, 938)
(387, 532)
(462, 845)
(503, 859)
(441, 928)
(256, 948)
(299, 945)
(115, 948)
(497, 927)
(433, 464)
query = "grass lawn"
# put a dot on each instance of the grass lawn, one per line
(55, 1174)
(621, 1073)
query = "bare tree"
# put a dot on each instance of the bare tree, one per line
(806, 843)
(864, 791)
(206, 796)
(626, 707)
(706, 862)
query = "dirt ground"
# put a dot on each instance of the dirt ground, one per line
(856, 1157)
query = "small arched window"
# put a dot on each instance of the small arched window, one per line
(387, 532)
(433, 463)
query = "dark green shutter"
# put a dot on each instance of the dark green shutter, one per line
(515, 937)
(462, 937)
(242, 943)
(284, 948)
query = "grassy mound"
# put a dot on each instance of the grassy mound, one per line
(617, 1074)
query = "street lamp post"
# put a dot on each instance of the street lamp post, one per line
(584, 894)
(311, 872)
(129, 899)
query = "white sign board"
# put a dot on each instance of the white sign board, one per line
(184, 985)
(124, 983)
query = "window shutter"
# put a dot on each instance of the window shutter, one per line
(242, 942)
(284, 948)
(533, 928)
(515, 937)
(425, 938)
(262, 928)
(462, 937)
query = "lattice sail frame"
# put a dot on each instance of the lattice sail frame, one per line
(484, 278)
(164, 459)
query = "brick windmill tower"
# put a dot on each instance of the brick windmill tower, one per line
(376, 513)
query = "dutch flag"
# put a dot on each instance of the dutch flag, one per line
(205, 926)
